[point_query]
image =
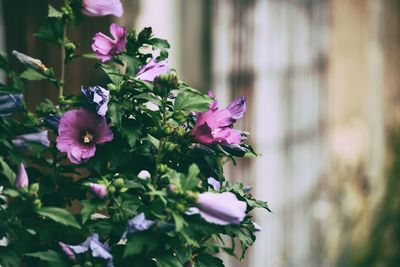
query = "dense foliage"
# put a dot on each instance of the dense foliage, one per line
(128, 174)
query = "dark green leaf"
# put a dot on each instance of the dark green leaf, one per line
(52, 31)
(206, 260)
(149, 97)
(191, 180)
(7, 172)
(139, 243)
(8, 257)
(50, 256)
(54, 12)
(89, 207)
(168, 261)
(61, 216)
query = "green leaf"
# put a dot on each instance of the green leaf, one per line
(10, 192)
(206, 260)
(7, 172)
(149, 97)
(115, 114)
(112, 72)
(191, 180)
(152, 140)
(89, 207)
(61, 216)
(183, 253)
(168, 261)
(54, 13)
(50, 256)
(32, 75)
(52, 31)
(139, 243)
(179, 221)
(189, 101)
(8, 257)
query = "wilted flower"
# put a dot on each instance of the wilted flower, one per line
(52, 121)
(98, 96)
(152, 69)
(215, 125)
(95, 8)
(221, 208)
(137, 224)
(22, 180)
(99, 250)
(144, 175)
(31, 62)
(9, 103)
(105, 47)
(79, 132)
(214, 183)
(257, 228)
(98, 189)
(23, 140)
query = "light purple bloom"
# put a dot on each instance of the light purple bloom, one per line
(144, 175)
(79, 132)
(98, 96)
(22, 180)
(99, 250)
(105, 47)
(215, 125)
(23, 140)
(137, 224)
(152, 69)
(98, 189)
(237, 107)
(214, 183)
(9, 103)
(94, 8)
(221, 208)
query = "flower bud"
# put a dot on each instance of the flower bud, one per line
(22, 180)
(168, 129)
(180, 132)
(30, 62)
(88, 264)
(99, 190)
(181, 207)
(111, 87)
(70, 47)
(169, 146)
(9, 103)
(179, 116)
(162, 168)
(144, 175)
(111, 189)
(171, 189)
(119, 182)
(37, 203)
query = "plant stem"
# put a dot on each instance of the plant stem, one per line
(62, 74)
(160, 145)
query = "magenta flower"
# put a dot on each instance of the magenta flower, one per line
(152, 69)
(221, 208)
(215, 125)
(105, 47)
(98, 189)
(22, 180)
(79, 132)
(95, 8)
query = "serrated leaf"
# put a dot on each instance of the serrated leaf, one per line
(89, 207)
(61, 216)
(139, 243)
(49, 256)
(168, 261)
(188, 101)
(191, 180)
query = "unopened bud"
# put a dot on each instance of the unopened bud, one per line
(30, 62)
(119, 182)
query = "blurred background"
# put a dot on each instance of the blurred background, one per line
(322, 81)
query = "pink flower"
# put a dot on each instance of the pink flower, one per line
(215, 126)
(105, 47)
(152, 69)
(22, 179)
(99, 190)
(79, 132)
(95, 8)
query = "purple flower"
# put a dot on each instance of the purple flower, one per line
(98, 249)
(221, 208)
(9, 103)
(23, 140)
(137, 224)
(95, 8)
(105, 47)
(98, 96)
(98, 189)
(214, 183)
(237, 107)
(215, 125)
(79, 132)
(152, 69)
(22, 180)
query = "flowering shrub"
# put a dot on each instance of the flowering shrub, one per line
(127, 173)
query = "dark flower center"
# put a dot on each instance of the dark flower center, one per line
(87, 138)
